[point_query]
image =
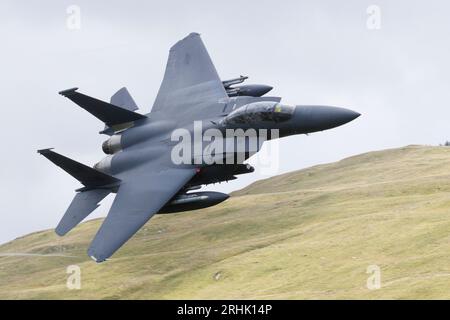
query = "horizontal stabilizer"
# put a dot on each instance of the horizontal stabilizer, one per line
(82, 205)
(109, 113)
(88, 176)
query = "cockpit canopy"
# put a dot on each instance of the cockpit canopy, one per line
(258, 112)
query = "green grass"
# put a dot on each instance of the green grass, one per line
(302, 235)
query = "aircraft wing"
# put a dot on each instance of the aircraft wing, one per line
(142, 193)
(190, 79)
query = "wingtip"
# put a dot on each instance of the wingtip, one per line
(96, 259)
(60, 232)
(45, 151)
(68, 92)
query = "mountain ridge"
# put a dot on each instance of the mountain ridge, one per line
(310, 233)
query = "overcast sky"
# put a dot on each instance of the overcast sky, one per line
(312, 52)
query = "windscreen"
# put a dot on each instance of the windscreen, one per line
(260, 111)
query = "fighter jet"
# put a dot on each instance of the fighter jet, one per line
(140, 167)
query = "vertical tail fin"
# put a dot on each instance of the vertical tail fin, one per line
(97, 185)
(123, 99)
(81, 206)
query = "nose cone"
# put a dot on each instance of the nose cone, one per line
(319, 118)
(334, 116)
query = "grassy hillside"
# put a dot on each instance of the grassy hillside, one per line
(305, 234)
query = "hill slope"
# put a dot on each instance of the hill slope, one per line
(305, 234)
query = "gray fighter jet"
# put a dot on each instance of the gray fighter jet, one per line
(140, 167)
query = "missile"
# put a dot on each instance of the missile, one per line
(193, 201)
(230, 82)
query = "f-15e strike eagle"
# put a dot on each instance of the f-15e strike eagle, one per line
(140, 167)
